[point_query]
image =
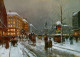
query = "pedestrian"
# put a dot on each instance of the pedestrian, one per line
(46, 42)
(6, 42)
(71, 39)
(26, 36)
(46, 45)
(20, 37)
(34, 39)
(45, 38)
(29, 40)
(50, 44)
(76, 39)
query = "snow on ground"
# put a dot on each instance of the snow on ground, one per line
(75, 46)
(4, 52)
(66, 47)
(17, 51)
(12, 51)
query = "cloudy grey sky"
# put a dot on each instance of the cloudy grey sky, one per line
(39, 11)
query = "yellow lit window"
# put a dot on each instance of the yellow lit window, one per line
(14, 33)
(12, 29)
(11, 33)
(8, 19)
(8, 22)
(14, 22)
(8, 33)
(17, 33)
(11, 25)
(8, 29)
(8, 25)
(17, 20)
(13, 19)
(11, 22)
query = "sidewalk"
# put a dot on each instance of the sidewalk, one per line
(11, 51)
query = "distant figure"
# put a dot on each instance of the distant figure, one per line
(50, 44)
(20, 38)
(46, 42)
(26, 36)
(71, 39)
(76, 39)
(34, 39)
(45, 38)
(32, 33)
(14, 41)
(29, 40)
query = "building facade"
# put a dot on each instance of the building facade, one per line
(25, 25)
(76, 20)
(3, 19)
(14, 23)
(76, 23)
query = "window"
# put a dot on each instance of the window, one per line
(11, 25)
(11, 22)
(12, 29)
(8, 22)
(14, 22)
(8, 19)
(17, 33)
(8, 29)
(8, 25)
(13, 19)
(14, 33)
(8, 33)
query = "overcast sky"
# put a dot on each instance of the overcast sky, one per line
(38, 12)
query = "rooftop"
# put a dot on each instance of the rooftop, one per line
(25, 20)
(12, 13)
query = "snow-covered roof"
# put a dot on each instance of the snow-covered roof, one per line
(25, 20)
(65, 25)
(75, 13)
(12, 13)
(58, 23)
(31, 25)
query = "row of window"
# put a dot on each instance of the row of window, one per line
(13, 33)
(11, 17)
(11, 25)
(11, 29)
(13, 22)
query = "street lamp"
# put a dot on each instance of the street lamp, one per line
(61, 24)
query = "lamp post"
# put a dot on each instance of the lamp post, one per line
(61, 24)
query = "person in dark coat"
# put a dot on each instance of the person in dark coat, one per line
(50, 44)
(71, 39)
(30, 37)
(46, 45)
(6, 42)
(46, 42)
(34, 39)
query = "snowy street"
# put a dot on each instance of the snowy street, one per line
(23, 49)
(65, 50)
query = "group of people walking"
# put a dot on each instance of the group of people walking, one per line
(5, 40)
